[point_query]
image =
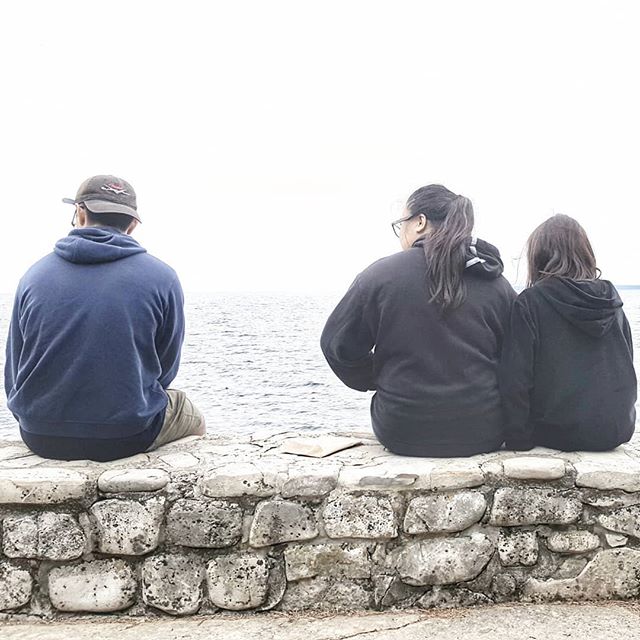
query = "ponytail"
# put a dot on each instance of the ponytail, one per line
(445, 247)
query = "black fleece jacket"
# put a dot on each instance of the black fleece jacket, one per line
(567, 375)
(434, 372)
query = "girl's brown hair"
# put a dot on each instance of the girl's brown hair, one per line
(560, 247)
(445, 248)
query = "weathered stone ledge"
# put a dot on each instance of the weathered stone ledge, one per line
(237, 524)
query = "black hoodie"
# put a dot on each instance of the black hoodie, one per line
(434, 372)
(567, 376)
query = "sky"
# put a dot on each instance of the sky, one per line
(270, 142)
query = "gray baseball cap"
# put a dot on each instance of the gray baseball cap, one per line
(106, 194)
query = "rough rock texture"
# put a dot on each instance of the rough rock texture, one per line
(518, 547)
(613, 573)
(449, 598)
(277, 521)
(127, 527)
(326, 594)
(446, 512)
(208, 524)
(132, 480)
(47, 536)
(238, 581)
(517, 507)
(42, 486)
(338, 560)
(572, 541)
(443, 561)
(352, 516)
(15, 586)
(173, 583)
(534, 468)
(95, 587)
(625, 520)
(236, 479)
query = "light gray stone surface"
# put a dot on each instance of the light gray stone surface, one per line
(42, 486)
(613, 573)
(277, 521)
(456, 474)
(526, 506)
(132, 480)
(443, 561)
(572, 541)
(236, 479)
(625, 521)
(95, 587)
(326, 594)
(173, 583)
(609, 470)
(534, 468)
(128, 527)
(616, 539)
(48, 536)
(329, 559)
(238, 581)
(211, 524)
(518, 548)
(15, 586)
(360, 516)
(445, 512)
(310, 480)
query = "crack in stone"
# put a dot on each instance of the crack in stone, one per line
(361, 634)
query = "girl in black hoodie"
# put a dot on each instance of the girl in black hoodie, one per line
(567, 376)
(424, 329)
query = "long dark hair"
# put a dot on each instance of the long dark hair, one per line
(560, 247)
(445, 247)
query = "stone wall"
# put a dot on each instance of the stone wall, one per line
(209, 524)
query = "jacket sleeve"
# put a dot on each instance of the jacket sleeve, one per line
(14, 347)
(626, 330)
(347, 341)
(171, 335)
(516, 377)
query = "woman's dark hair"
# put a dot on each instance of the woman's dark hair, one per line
(445, 247)
(119, 221)
(560, 247)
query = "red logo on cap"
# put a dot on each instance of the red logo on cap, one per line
(116, 188)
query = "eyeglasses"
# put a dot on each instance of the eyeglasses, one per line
(75, 213)
(398, 223)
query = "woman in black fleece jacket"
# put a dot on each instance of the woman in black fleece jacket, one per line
(424, 329)
(567, 373)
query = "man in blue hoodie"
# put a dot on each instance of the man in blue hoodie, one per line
(95, 339)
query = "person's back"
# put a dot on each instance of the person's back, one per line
(433, 365)
(95, 341)
(567, 373)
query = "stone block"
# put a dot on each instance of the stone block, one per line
(132, 480)
(43, 486)
(572, 541)
(326, 594)
(443, 560)
(518, 548)
(613, 573)
(625, 521)
(452, 598)
(173, 583)
(238, 581)
(277, 521)
(534, 468)
(382, 476)
(444, 512)
(615, 539)
(456, 474)
(15, 586)
(517, 507)
(309, 482)
(352, 516)
(234, 480)
(610, 470)
(128, 527)
(344, 560)
(207, 524)
(47, 536)
(93, 587)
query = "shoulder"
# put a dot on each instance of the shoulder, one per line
(157, 268)
(391, 266)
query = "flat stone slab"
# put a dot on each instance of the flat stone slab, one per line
(534, 468)
(132, 480)
(43, 486)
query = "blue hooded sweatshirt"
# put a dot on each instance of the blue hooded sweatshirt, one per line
(94, 341)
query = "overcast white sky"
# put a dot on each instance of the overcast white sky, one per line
(267, 141)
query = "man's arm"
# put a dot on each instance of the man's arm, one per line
(171, 334)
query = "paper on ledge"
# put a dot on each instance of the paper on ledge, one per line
(318, 447)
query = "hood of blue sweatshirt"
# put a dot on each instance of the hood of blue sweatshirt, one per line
(94, 245)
